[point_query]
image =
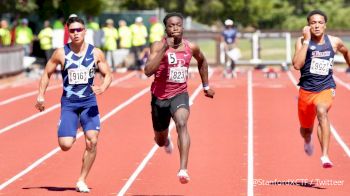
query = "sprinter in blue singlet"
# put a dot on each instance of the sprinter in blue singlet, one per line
(314, 57)
(78, 61)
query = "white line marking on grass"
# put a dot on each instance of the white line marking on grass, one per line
(333, 130)
(150, 154)
(250, 177)
(57, 149)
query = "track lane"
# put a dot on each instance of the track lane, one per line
(282, 167)
(217, 162)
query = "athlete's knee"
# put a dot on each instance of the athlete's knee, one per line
(181, 124)
(65, 146)
(91, 144)
(66, 143)
(322, 114)
(161, 141)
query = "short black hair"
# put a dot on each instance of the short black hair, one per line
(319, 12)
(75, 19)
(171, 15)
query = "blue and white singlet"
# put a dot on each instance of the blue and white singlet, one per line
(78, 74)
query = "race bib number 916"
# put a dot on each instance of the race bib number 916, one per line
(178, 74)
(78, 76)
(320, 66)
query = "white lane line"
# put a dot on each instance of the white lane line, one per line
(150, 154)
(333, 130)
(32, 93)
(57, 149)
(250, 147)
(341, 82)
(16, 124)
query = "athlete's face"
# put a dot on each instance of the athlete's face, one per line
(174, 27)
(318, 25)
(76, 32)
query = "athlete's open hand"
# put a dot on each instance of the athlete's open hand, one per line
(209, 93)
(40, 105)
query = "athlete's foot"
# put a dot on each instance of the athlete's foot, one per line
(309, 148)
(183, 176)
(169, 147)
(82, 187)
(326, 163)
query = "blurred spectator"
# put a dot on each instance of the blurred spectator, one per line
(24, 36)
(110, 43)
(156, 31)
(139, 40)
(59, 23)
(124, 42)
(93, 25)
(5, 34)
(45, 39)
(229, 39)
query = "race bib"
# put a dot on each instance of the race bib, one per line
(78, 76)
(320, 66)
(178, 74)
(172, 58)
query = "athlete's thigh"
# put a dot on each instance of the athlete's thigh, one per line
(306, 109)
(324, 100)
(179, 101)
(90, 118)
(68, 123)
(160, 114)
(180, 108)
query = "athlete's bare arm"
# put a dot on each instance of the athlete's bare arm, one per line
(301, 48)
(202, 67)
(104, 70)
(158, 50)
(340, 46)
(56, 59)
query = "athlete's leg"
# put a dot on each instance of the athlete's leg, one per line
(161, 137)
(306, 133)
(89, 155)
(181, 117)
(323, 128)
(67, 129)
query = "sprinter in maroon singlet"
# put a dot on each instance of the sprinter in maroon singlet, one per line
(168, 62)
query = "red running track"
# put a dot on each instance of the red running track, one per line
(220, 158)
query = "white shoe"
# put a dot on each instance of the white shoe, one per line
(82, 187)
(169, 148)
(183, 176)
(326, 163)
(309, 148)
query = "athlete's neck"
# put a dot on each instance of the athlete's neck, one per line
(318, 39)
(77, 48)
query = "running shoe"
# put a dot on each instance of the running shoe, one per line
(169, 148)
(82, 187)
(183, 176)
(326, 163)
(309, 148)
